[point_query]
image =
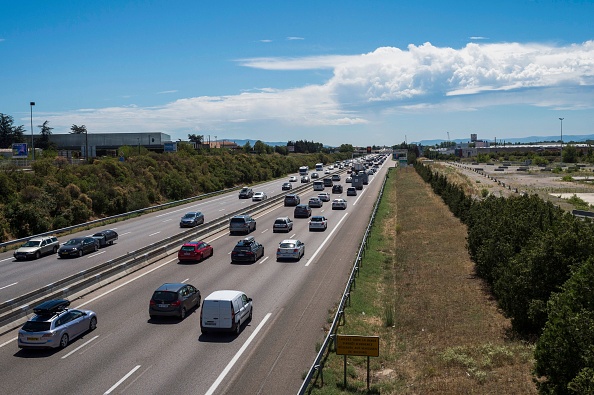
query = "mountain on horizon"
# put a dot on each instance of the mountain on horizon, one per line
(521, 140)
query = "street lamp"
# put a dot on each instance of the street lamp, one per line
(561, 119)
(32, 139)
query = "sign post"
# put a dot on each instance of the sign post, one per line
(365, 346)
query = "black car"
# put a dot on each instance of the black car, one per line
(302, 211)
(337, 188)
(287, 186)
(106, 237)
(78, 247)
(292, 199)
(192, 218)
(174, 299)
(246, 193)
(247, 250)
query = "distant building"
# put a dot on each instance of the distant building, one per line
(100, 144)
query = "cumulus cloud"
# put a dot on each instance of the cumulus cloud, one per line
(387, 80)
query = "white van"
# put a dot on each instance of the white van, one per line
(318, 185)
(225, 311)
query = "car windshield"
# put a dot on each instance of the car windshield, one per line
(165, 296)
(73, 241)
(287, 245)
(32, 243)
(36, 326)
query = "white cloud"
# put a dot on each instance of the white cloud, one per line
(295, 38)
(266, 41)
(420, 78)
(165, 92)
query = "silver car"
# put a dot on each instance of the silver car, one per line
(54, 325)
(290, 249)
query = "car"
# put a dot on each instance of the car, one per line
(314, 175)
(327, 171)
(293, 179)
(328, 182)
(193, 218)
(247, 250)
(318, 222)
(351, 191)
(292, 199)
(259, 196)
(194, 251)
(174, 300)
(246, 193)
(36, 247)
(302, 211)
(339, 204)
(305, 179)
(337, 188)
(242, 223)
(290, 249)
(315, 201)
(78, 246)
(348, 180)
(54, 325)
(287, 186)
(225, 311)
(331, 167)
(105, 237)
(324, 196)
(336, 177)
(282, 224)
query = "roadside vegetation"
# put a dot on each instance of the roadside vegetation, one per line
(440, 329)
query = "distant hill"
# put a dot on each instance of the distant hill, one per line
(252, 142)
(520, 140)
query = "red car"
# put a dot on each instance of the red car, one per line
(194, 251)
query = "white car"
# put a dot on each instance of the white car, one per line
(324, 196)
(259, 196)
(318, 222)
(290, 249)
(293, 179)
(339, 204)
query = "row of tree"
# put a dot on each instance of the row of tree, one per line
(539, 262)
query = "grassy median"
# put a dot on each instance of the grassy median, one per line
(440, 330)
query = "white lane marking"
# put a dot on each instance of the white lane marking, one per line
(265, 230)
(156, 233)
(325, 240)
(8, 342)
(9, 285)
(185, 280)
(7, 259)
(79, 347)
(113, 387)
(167, 220)
(95, 254)
(124, 284)
(263, 260)
(125, 233)
(225, 371)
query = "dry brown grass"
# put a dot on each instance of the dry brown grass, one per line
(448, 336)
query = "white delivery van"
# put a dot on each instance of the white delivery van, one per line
(318, 185)
(225, 311)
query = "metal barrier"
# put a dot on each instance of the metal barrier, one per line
(339, 319)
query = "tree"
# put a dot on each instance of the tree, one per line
(260, 147)
(198, 139)
(346, 148)
(45, 133)
(75, 129)
(8, 133)
(247, 147)
(569, 154)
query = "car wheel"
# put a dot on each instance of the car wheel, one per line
(55, 250)
(201, 257)
(64, 341)
(250, 316)
(238, 328)
(182, 314)
(80, 253)
(37, 255)
(96, 247)
(93, 324)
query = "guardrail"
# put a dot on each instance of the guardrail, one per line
(14, 309)
(330, 341)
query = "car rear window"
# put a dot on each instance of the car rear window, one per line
(280, 221)
(187, 248)
(165, 296)
(316, 219)
(237, 220)
(33, 326)
(287, 245)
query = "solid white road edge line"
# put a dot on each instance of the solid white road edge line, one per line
(79, 347)
(310, 260)
(113, 387)
(225, 371)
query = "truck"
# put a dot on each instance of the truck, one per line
(304, 170)
(359, 179)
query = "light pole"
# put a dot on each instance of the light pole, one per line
(561, 119)
(32, 139)
(87, 144)
(215, 141)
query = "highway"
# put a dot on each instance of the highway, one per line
(129, 353)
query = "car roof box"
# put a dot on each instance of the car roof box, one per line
(51, 307)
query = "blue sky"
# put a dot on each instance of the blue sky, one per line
(353, 72)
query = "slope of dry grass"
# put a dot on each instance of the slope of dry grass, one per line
(440, 331)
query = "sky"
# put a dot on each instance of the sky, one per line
(360, 72)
